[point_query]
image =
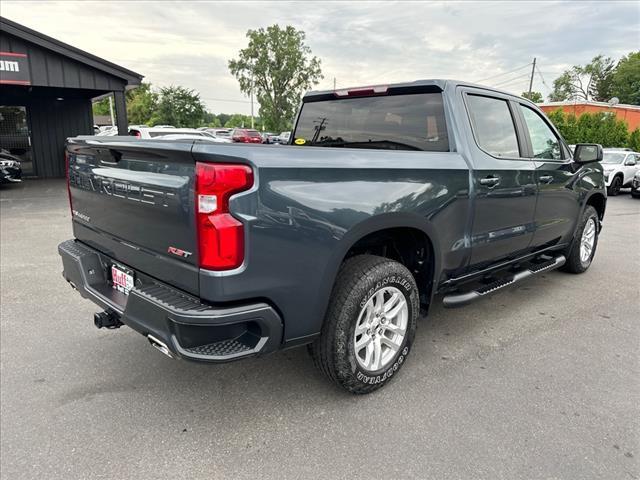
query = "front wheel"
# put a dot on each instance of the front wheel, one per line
(370, 324)
(583, 248)
(614, 188)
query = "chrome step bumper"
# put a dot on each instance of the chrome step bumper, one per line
(174, 322)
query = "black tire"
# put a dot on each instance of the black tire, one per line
(574, 263)
(333, 352)
(635, 193)
(614, 188)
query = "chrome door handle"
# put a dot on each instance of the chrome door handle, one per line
(490, 181)
(546, 178)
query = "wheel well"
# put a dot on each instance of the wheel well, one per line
(597, 201)
(409, 246)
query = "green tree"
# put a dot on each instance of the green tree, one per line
(592, 81)
(214, 123)
(211, 120)
(101, 107)
(562, 87)
(277, 65)
(634, 140)
(142, 103)
(566, 124)
(223, 118)
(602, 128)
(239, 120)
(601, 70)
(535, 97)
(626, 79)
(180, 107)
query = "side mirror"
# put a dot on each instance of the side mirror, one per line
(630, 163)
(587, 152)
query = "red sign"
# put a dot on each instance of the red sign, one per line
(14, 69)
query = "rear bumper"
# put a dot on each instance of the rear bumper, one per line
(189, 329)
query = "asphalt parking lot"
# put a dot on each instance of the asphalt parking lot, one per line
(542, 381)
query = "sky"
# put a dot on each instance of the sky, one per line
(358, 43)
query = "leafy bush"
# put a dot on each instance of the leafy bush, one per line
(634, 140)
(601, 127)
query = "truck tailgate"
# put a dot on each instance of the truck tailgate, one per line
(134, 201)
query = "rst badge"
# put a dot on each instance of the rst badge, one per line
(179, 252)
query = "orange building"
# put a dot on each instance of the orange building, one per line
(628, 113)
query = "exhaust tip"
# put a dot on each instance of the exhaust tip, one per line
(160, 346)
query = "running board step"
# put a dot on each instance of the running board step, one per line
(460, 299)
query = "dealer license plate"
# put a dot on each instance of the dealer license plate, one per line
(121, 280)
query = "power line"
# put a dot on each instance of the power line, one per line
(511, 80)
(224, 100)
(542, 78)
(504, 73)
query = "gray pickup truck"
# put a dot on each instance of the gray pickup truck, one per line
(386, 199)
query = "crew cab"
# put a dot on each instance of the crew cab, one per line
(386, 200)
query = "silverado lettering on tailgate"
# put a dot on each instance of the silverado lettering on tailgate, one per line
(120, 189)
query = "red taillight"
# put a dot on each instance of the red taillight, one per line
(220, 235)
(68, 175)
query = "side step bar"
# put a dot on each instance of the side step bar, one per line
(460, 299)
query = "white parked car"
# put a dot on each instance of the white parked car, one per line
(191, 136)
(107, 131)
(154, 132)
(620, 165)
(284, 137)
(221, 134)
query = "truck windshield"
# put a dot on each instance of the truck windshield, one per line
(395, 122)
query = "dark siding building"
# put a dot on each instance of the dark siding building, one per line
(46, 88)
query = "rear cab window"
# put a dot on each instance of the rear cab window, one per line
(395, 122)
(493, 126)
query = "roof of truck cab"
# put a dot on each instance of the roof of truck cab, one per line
(440, 84)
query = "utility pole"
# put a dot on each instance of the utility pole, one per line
(533, 70)
(251, 94)
(334, 84)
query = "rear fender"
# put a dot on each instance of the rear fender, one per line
(367, 227)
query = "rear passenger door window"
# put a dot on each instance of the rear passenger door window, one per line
(493, 126)
(544, 143)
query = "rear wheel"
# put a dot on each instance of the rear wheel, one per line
(583, 248)
(614, 188)
(370, 324)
